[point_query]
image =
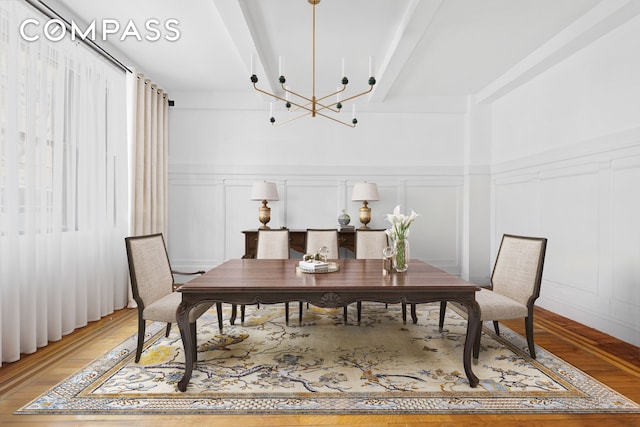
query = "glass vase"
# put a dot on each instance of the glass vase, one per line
(401, 255)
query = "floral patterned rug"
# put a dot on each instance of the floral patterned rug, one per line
(320, 365)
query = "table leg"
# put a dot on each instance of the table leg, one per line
(234, 313)
(414, 314)
(182, 313)
(473, 328)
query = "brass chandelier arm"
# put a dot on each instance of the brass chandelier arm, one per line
(281, 99)
(351, 125)
(357, 95)
(292, 119)
(295, 94)
(311, 102)
(337, 102)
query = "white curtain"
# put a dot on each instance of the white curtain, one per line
(63, 186)
(149, 142)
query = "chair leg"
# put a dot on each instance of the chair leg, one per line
(166, 334)
(414, 314)
(528, 325)
(300, 312)
(234, 313)
(359, 309)
(443, 309)
(496, 327)
(242, 310)
(404, 313)
(141, 328)
(344, 314)
(219, 312)
(286, 312)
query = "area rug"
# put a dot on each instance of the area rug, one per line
(320, 365)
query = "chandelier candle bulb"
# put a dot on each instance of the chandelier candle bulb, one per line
(371, 66)
(342, 75)
(280, 66)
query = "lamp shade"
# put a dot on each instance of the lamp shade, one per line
(264, 191)
(365, 191)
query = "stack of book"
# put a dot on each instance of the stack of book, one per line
(314, 266)
(347, 228)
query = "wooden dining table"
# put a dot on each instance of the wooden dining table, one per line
(262, 281)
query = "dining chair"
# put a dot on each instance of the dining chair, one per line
(152, 285)
(272, 244)
(369, 245)
(515, 286)
(317, 238)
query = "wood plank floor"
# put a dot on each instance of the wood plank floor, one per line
(607, 359)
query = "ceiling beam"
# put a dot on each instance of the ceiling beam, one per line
(237, 17)
(415, 22)
(603, 18)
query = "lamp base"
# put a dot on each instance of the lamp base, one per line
(365, 215)
(264, 215)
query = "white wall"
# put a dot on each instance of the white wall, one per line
(416, 159)
(558, 157)
(566, 165)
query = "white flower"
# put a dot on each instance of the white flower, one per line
(400, 224)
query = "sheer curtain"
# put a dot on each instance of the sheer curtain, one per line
(148, 108)
(63, 187)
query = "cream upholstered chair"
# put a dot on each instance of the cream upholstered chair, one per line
(272, 244)
(369, 245)
(515, 286)
(317, 238)
(152, 287)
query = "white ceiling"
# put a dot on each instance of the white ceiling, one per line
(421, 48)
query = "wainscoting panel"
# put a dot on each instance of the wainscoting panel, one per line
(569, 217)
(436, 234)
(193, 212)
(587, 205)
(312, 203)
(625, 250)
(208, 212)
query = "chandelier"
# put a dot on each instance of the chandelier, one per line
(315, 106)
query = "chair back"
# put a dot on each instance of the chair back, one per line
(318, 238)
(517, 273)
(149, 268)
(273, 244)
(369, 244)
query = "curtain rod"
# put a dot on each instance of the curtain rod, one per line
(52, 14)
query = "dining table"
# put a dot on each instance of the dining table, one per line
(269, 281)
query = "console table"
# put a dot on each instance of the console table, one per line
(297, 241)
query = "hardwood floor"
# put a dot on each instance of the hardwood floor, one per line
(607, 359)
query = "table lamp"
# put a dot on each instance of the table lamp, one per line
(264, 191)
(365, 192)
